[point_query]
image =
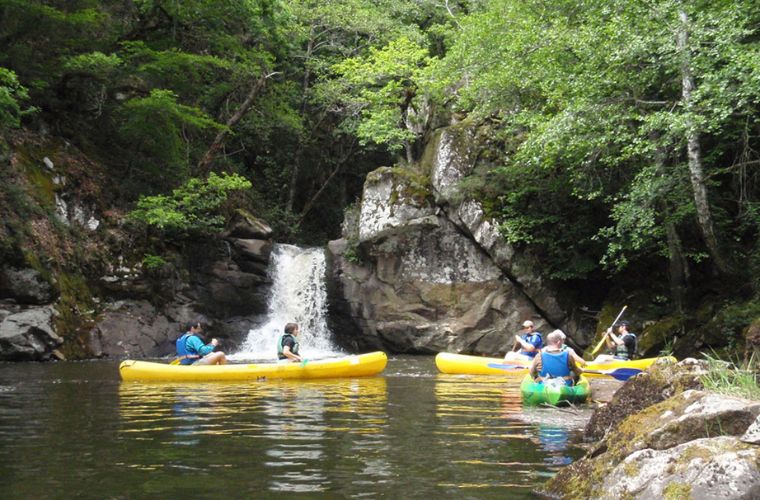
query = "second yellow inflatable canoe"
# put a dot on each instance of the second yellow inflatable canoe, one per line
(476, 365)
(360, 365)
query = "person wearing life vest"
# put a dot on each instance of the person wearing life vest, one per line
(554, 362)
(287, 346)
(527, 345)
(622, 346)
(578, 360)
(191, 349)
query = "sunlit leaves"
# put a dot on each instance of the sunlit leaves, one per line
(191, 209)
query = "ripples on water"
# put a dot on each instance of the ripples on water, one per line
(74, 429)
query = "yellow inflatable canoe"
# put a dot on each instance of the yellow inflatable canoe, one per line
(476, 365)
(360, 365)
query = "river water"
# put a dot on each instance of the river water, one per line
(73, 429)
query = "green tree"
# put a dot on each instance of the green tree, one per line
(12, 97)
(595, 94)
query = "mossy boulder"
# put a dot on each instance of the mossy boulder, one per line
(662, 381)
(652, 453)
(659, 334)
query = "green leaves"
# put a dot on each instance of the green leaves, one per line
(156, 126)
(192, 209)
(12, 97)
(382, 86)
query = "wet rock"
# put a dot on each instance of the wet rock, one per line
(135, 329)
(28, 335)
(256, 250)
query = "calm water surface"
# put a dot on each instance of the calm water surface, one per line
(73, 429)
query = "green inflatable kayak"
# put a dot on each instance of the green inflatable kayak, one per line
(535, 393)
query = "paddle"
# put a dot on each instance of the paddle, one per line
(505, 367)
(601, 342)
(175, 361)
(303, 362)
(618, 373)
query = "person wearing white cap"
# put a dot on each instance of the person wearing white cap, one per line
(527, 345)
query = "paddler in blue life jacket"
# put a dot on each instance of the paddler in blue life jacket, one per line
(287, 346)
(578, 360)
(554, 362)
(192, 351)
(529, 343)
(622, 346)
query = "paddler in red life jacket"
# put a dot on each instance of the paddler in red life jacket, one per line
(554, 362)
(287, 346)
(529, 343)
(192, 351)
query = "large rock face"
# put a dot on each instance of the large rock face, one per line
(424, 270)
(140, 313)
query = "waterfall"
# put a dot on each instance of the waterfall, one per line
(298, 295)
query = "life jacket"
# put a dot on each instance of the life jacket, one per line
(532, 354)
(623, 351)
(186, 356)
(556, 365)
(293, 349)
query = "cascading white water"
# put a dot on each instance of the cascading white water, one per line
(298, 295)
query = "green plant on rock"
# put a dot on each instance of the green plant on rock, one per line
(193, 209)
(153, 262)
(677, 491)
(731, 378)
(12, 94)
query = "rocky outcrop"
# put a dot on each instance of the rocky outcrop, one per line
(137, 312)
(25, 286)
(424, 270)
(691, 444)
(660, 382)
(452, 157)
(422, 286)
(28, 335)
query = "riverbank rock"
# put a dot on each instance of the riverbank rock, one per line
(686, 446)
(661, 381)
(28, 335)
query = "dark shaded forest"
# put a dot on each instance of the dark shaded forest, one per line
(622, 138)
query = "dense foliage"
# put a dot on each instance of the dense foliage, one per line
(622, 135)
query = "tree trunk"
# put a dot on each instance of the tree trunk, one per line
(204, 166)
(696, 170)
(295, 172)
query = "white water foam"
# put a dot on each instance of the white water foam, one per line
(298, 295)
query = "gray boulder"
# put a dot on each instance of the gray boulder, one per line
(29, 335)
(25, 286)
(708, 468)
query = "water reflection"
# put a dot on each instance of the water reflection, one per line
(292, 431)
(527, 443)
